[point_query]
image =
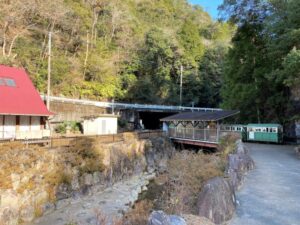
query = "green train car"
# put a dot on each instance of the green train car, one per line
(271, 133)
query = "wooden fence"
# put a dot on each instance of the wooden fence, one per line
(63, 141)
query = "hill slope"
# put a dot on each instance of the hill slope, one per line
(128, 50)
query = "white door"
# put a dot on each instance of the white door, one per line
(104, 126)
(10, 127)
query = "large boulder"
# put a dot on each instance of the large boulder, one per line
(160, 218)
(238, 165)
(241, 148)
(217, 200)
(196, 220)
(240, 162)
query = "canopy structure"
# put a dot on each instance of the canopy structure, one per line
(197, 128)
(201, 116)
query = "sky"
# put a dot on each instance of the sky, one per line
(210, 6)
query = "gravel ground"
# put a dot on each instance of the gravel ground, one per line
(271, 193)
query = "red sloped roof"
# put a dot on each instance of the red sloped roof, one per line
(21, 99)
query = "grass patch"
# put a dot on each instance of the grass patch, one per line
(187, 171)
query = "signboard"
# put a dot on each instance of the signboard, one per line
(251, 135)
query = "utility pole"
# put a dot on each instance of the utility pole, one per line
(49, 71)
(181, 72)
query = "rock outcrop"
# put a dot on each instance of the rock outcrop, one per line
(196, 220)
(161, 218)
(217, 200)
(239, 163)
(35, 181)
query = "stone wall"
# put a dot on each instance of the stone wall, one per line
(65, 111)
(37, 180)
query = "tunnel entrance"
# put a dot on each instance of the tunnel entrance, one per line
(151, 120)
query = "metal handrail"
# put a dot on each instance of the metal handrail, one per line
(127, 105)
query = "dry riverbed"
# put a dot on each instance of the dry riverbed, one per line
(112, 202)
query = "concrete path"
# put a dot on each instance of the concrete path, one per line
(271, 193)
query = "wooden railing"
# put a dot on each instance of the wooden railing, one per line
(196, 134)
(207, 135)
(64, 141)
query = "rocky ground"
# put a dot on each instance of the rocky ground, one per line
(35, 181)
(110, 202)
(271, 193)
(216, 202)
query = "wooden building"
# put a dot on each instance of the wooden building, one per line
(197, 128)
(23, 114)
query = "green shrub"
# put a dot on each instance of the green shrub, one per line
(122, 123)
(72, 125)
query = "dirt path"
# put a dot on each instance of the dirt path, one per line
(271, 193)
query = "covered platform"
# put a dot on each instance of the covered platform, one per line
(197, 128)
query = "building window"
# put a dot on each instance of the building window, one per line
(10, 82)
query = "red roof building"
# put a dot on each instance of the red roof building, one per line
(18, 96)
(22, 112)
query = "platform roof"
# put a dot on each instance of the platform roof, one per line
(201, 116)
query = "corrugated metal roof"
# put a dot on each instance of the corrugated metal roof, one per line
(201, 116)
(18, 95)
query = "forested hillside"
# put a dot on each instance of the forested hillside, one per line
(129, 50)
(262, 70)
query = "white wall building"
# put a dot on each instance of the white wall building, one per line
(100, 125)
(23, 114)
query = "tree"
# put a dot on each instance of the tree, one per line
(133, 50)
(14, 22)
(244, 76)
(261, 62)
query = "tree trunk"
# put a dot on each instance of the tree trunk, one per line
(12, 44)
(86, 54)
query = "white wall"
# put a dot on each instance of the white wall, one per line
(25, 130)
(9, 126)
(100, 125)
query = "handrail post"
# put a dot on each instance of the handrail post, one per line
(193, 133)
(218, 131)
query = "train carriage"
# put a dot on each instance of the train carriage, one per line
(272, 133)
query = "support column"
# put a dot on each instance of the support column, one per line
(218, 131)
(204, 129)
(193, 125)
